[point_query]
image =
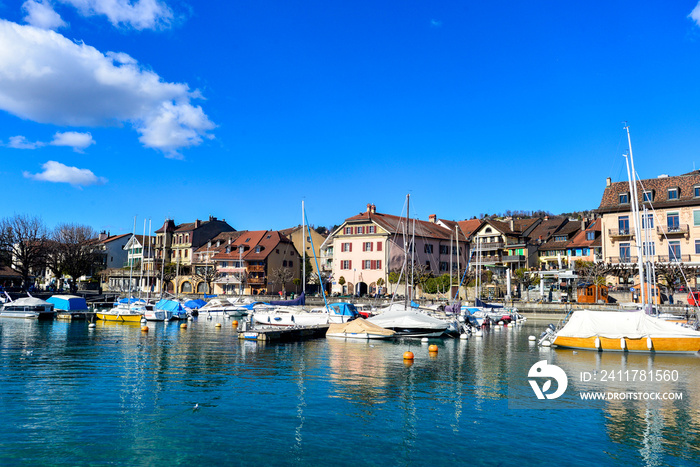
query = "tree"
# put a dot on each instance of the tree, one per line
(25, 239)
(74, 244)
(281, 276)
(592, 273)
(321, 230)
(674, 273)
(208, 274)
(297, 282)
(526, 278)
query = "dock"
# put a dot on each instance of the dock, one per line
(291, 334)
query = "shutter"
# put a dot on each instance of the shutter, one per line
(349, 264)
(350, 245)
(373, 265)
(379, 246)
(370, 246)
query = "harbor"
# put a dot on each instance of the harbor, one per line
(74, 395)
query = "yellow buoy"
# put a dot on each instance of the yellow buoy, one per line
(183, 326)
(408, 355)
(234, 323)
(432, 348)
(218, 325)
(144, 328)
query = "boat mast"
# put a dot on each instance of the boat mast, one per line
(449, 294)
(405, 249)
(142, 250)
(458, 255)
(131, 262)
(162, 265)
(413, 258)
(635, 217)
(303, 253)
(149, 255)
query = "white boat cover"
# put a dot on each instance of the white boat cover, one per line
(407, 319)
(359, 326)
(28, 301)
(618, 324)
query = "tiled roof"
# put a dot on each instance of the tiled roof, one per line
(579, 240)
(395, 224)
(470, 226)
(685, 183)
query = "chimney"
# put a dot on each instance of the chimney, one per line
(433, 218)
(608, 181)
(374, 208)
(512, 224)
(102, 236)
(197, 223)
(583, 224)
(369, 207)
(229, 240)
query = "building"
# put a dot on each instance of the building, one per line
(504, 245)
(587, 245)
(669, 226)
(370, 245)
(552, 237)
(307, 246)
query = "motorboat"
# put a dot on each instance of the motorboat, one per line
(622, 331)
(297, 316)
(28, 307)
(221, 306)
(166, 309)
(69, 307)
(125, 310)
(410, 322)
(359, 328)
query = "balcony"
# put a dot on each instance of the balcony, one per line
(256, 268)
(664, 230)
(622, 259)
(514, 258)
(675, 259)
(256, 280)
(620, 233)
(490, 246)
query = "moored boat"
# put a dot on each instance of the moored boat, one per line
(28, 307)
(125, 310)
(621, 331)
(359, 329)
(69, 307)
(408, 322)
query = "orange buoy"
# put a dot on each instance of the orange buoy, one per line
(218, 325)
(432, 348)
(183, 326)
(408, 355)
(144, 328)
(234, 323)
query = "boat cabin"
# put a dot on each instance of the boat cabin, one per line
(592, 293)
(655, 294)
(694, 298)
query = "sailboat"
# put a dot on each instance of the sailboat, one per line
(625, 331)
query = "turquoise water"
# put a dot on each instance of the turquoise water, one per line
(116, 396)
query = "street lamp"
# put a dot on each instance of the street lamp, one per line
(353, 281)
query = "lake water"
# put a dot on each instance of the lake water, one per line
(114, 395)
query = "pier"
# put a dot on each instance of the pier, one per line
(291, 334)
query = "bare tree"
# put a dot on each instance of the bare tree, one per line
(24, 238)
(79, 254)
(281, 276)
(208, 274)
(674, 273)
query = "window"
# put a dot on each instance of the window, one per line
(346, 247)
(697, 247)
(360, 230)
(379, 264)
(428, 248)
(224, 264)
(247, 240)
(649, 248)
(379, 246)
(590, 236)
(696, 217)
(560, 238)
(284, 263)
(346, 264)
(672, 221)
(371, 229)
(257, 249)
(623, 223)
(367, 246)
(348, 230)
(624, 198)
(444, 266)
(290, 264)
(625, 252)
(367, 264)
(674, 250)
(672, 193)
(696, 191)
(648, 221)
(444, 250)
(648, 196)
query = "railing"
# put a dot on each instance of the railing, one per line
(490, 246)
(683, 229)
(620, 232)
(513, 258)
(256, 268)
(256, 280)
(622, 259)
(674, 259)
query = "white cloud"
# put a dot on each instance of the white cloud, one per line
(60, 173)
(20, 142)
(42, 15)
(435, 23)
(73, 139)
(695, 14)
(46, 78)
(141, 14)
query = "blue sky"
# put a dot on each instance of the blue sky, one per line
(242, 109)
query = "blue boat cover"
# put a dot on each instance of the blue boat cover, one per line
(170, 305)
(300, 300)
(65, 303)
(250, 306)
(345, 309)
(481, 304)
(195, 304)
(414, 304)
(130, 300)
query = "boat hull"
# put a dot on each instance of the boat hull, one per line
(128, 318)
(658, 344)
